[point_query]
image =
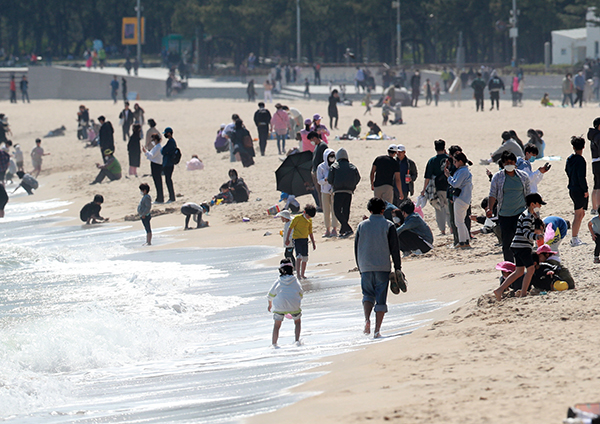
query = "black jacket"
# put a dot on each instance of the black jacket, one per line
(107, 140)
(127, 116)
(343, 176)
(594, 136)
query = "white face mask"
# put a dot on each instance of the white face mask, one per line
(331, 159)
(396, 220)
(536, 210)
(509, 168)
(141, 192)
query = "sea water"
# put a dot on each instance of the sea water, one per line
(95, 330)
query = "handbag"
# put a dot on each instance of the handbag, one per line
(247, 142)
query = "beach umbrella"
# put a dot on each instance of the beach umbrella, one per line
(293, 175)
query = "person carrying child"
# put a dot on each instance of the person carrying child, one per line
(529, 229)
(288, 244)
(285, 297)
(144, 211)
(302, 230)
(594, 226)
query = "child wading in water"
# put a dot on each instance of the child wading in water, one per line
(285, 298)
(144, 209)
(529, 228)
(302, 229)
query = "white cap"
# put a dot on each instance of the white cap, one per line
(401, 148)
(392, 148)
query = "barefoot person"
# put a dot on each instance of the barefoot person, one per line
(301, 229)
(374, 243)
(194, 210)
(285, 297)
(144, 211)
(90, 213)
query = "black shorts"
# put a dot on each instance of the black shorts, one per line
(579, 201)
(596, 172)
(522, 257)
(301, 246)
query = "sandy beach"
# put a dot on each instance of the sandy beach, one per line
(478, 361)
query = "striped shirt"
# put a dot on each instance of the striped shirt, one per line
(524, 236)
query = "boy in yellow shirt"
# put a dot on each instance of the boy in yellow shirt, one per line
(302, 230)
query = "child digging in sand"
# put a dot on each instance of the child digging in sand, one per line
(285, 298)
(529, 229)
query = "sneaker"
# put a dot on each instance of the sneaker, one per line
(334, 233)
(406, 254)
(594, 212)
(417, 252)
(576, 241)
(596, 260)
(326, 235)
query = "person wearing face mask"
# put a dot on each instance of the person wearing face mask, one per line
(318, 158)
(462, 187)
(524, 164)
(414, 235)
(111, 168)
(327, 193)
(508, 189)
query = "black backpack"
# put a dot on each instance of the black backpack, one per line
(176, 156)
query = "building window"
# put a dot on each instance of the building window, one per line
(563, 52)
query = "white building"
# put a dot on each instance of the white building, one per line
(570, 46)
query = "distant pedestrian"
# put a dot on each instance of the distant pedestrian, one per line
(36, 157)
(114, 88)
(136, 66)
(24, 86)
(155, 157)
(343, 177)
(126, 120)
(494, 86)
(578, 187)
(124, 88)
(306, 88)
(428, 92)
(105, 135)
(262, 119)
(567, 89)
(415, 84)
(144, 210)
(251, 91)
(332, 109)
(133, 148)
(268, 87)
(13, 89)
(128, 66)
(579, 84)
(478, 86)
(168, 165)
(280, 123)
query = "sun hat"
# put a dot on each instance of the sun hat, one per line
(168, 130)
(401, 148)
(284, 214)
(223, 126)
(392, 148)
(108, 152)
(316, 117)
(506, 266)
(544, 248)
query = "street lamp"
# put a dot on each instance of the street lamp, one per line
(396, 5)
(298, 47)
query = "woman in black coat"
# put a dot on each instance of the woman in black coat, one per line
(332, 109)
(133, 148)
(243, 152)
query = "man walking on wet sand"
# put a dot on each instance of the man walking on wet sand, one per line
(374, 243)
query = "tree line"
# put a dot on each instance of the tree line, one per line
(228, 30)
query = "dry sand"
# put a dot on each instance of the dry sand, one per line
(521, 360)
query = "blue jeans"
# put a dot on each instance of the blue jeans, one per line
(374, 286)
(281, 142)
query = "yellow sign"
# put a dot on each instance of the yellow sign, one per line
(130, 33)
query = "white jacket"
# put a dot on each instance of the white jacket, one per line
(286, 295)
(323, 172)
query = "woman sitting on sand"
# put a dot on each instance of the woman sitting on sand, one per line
(238, 187)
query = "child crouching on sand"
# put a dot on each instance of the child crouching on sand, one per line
(529, 228)
(285, 298)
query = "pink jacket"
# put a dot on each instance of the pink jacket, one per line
(280, 122)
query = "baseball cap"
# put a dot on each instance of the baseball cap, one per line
(168, 130)
(392, 148)
(401, 148)
(316, 117)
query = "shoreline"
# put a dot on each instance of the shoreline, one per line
(485, 361)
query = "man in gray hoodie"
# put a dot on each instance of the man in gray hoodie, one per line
(374, 243)
(343, 177)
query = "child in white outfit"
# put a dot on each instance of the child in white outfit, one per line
(285, 298)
